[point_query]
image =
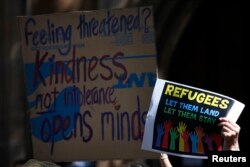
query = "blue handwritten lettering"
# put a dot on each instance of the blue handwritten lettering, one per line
(110, 25)
(122, 123)
(49, 35)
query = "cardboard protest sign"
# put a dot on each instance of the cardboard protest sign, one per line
(89, 78)
(183, 120)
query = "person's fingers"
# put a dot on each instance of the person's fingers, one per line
(229, 125)
(223, 119)
(164, 160)
(229, 129)
(230, 132)
(227, 132)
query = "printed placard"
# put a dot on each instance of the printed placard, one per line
(183, 120)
